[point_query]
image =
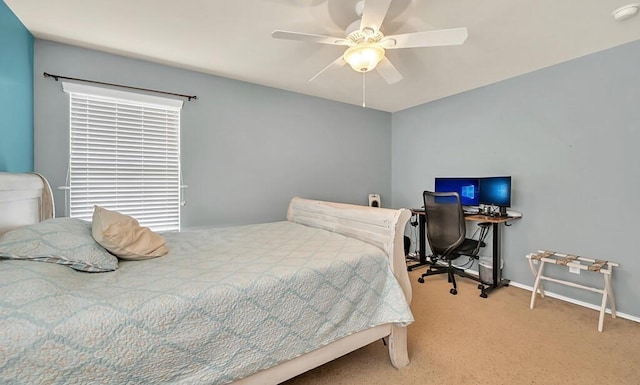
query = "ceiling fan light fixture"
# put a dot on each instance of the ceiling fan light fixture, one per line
(364, 57)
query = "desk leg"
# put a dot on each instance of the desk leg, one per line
(422, 244)
(497, 272)
(497, 258)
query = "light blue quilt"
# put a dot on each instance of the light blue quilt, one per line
(225, 303)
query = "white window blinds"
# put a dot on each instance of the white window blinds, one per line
(124, 155)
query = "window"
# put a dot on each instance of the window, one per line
(124, 155)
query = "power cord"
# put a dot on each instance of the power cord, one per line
(413, 221)
(483, 228)
(467, 264)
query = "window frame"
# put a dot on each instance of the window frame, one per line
(108, 123)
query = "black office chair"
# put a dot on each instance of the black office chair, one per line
(446, 233)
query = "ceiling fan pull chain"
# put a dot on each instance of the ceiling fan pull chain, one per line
(363, 89)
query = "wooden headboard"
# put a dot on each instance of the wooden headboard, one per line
(25, 198)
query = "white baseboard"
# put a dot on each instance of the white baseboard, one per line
(576, 302)
(566, 299)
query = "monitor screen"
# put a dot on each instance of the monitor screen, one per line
(467, 188)
(495, 191)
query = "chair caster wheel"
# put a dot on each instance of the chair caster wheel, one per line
(480, 287)
(453, 291)
(421, 280)
(483, 295)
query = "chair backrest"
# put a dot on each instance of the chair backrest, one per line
(446, 228)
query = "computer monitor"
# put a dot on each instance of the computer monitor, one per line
(495, 191)
(467, 188)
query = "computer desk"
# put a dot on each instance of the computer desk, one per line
(498, 281)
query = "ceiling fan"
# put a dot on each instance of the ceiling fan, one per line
(367, 44)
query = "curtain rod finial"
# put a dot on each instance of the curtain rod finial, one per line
(46, 75)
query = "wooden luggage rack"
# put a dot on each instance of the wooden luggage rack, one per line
(573, 261)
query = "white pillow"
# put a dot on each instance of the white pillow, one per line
(123, 236)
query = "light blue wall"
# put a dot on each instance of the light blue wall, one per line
(246, 149)
(569, 136)
(16, 93)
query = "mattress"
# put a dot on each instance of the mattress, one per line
(223, 304)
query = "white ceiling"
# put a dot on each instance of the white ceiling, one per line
(232, 38)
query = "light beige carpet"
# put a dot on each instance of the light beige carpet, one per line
(465, 339)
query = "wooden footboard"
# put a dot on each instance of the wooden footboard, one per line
(380, 227)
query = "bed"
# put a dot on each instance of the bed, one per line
(253, 304)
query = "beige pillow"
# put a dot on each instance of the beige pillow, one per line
(123, 236)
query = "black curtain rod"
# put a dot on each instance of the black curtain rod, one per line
(57, 77)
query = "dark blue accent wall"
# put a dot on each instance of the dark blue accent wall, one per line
(16, 93)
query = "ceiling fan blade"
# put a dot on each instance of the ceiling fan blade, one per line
(442, 37)
(373, 14)
(388, 71)
(339, 62)
(309, 37)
